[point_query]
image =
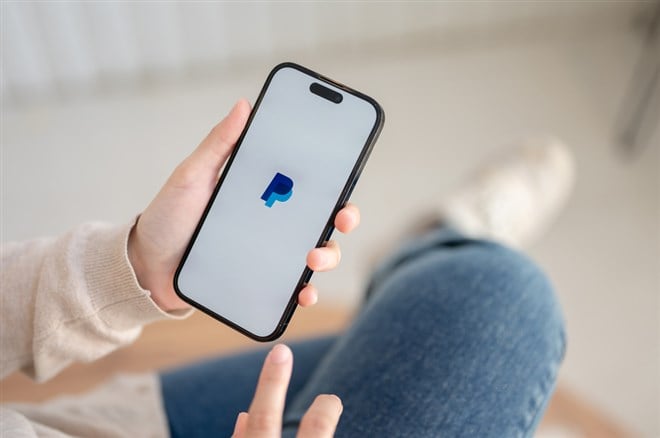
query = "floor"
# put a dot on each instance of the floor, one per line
(446, 110)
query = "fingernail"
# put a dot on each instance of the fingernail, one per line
(280, 353)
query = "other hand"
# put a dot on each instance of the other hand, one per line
(264, 418)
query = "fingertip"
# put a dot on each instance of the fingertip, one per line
(205, 162)
(280, 354)
(334, 398)
(324, 258)
(333, 403)
(241, 422)
(308, 296)
(348, 218)
(322, 416)
(316, 259)
(242, 105)
(239, 113)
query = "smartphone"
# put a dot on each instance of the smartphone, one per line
(293, 168)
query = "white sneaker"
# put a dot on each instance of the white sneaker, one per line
(515, 197)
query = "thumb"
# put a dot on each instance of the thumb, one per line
(207, 159)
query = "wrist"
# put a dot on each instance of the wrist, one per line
(135, 259)
(158, 284)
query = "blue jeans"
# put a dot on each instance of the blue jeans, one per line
(457, 337)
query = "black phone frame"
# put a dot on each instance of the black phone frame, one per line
(329, 227)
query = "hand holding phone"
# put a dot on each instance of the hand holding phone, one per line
(283, 189)
(159, 238)
(293, 168)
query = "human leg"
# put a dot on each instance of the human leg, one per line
(461, 337)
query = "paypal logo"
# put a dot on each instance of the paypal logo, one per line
(280, 189)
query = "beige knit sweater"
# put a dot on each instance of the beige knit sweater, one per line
(76, 298)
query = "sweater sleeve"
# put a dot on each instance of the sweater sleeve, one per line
(70, 298)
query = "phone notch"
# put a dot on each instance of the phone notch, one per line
(326, 93)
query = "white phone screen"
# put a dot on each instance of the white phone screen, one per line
(275, 201)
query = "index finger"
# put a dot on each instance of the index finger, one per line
(265, 413)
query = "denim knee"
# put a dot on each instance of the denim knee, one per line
(481, 290)
(461, 338)
(481, 322)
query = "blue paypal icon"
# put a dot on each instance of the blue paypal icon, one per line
(280, 189)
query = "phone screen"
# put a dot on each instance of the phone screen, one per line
(275, 199)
